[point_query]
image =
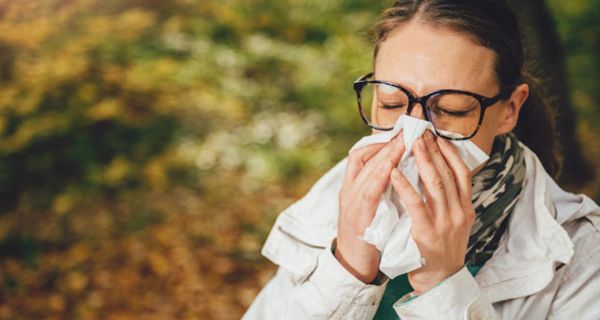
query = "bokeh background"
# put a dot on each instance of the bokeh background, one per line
(147, 146)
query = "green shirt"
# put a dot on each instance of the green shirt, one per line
(396, 289)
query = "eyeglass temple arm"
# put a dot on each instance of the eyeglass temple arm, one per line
(364, 77)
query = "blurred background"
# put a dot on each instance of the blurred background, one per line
(147, 146)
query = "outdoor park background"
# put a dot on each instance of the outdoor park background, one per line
(147, 146)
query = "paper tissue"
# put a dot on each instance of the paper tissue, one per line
(390, 229)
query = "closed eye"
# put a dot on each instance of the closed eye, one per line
(454, 113)
(393, 106)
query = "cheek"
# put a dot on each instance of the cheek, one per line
(484, 138)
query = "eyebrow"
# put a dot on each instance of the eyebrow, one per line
(410, 88)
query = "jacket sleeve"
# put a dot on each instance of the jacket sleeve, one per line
(457, 297)
(328, 291)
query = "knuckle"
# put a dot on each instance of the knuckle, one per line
(369, 196)
(449, 176)
(414, 202)
(415, 205)
(465, 200)
(470, 216)
(399, 145)
(402, 182)
(389, 164)
(437, 184)
(434, 149)
(354, 156)
(358, 158)
(380, 175)
(460, 220)
(418, 203)
(362, 161)
(462, 169)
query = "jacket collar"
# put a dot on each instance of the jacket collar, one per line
(535, 243)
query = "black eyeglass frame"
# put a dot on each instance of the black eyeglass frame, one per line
(484, 102)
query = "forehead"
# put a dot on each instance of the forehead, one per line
(426, 59)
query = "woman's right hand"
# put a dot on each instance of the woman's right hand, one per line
(367, 176)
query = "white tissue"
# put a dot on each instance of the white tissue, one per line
(390, 229)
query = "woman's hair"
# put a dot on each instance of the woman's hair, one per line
(494, 25)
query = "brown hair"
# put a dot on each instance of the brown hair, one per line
(494, 25)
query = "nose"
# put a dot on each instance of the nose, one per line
(417, 111)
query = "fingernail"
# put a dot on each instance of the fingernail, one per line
(395, 173)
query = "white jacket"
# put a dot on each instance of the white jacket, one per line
(547, 264)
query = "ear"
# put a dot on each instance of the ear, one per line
(510, 112)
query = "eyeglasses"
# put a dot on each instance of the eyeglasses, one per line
(455, 114)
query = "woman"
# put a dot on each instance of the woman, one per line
(502, 241)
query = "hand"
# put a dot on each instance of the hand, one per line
(441, 225)
(367, 175)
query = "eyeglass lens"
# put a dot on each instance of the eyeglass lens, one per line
(452, 114)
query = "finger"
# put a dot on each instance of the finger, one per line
(399, 149)
(446, 174)
(357, 160)
(373, 179)
(371, 186)
(412, 200)
(434, 185)
(391, 153)
(460, 169)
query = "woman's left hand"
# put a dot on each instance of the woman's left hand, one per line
(441, 224)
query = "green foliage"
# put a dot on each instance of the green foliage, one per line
(578, 25)
(79, 97)
(106, 95)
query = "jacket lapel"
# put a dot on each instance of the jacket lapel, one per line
(534, 243)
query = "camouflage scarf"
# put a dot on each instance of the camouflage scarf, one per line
(496, 190)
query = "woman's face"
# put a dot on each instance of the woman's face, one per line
(426, 59)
